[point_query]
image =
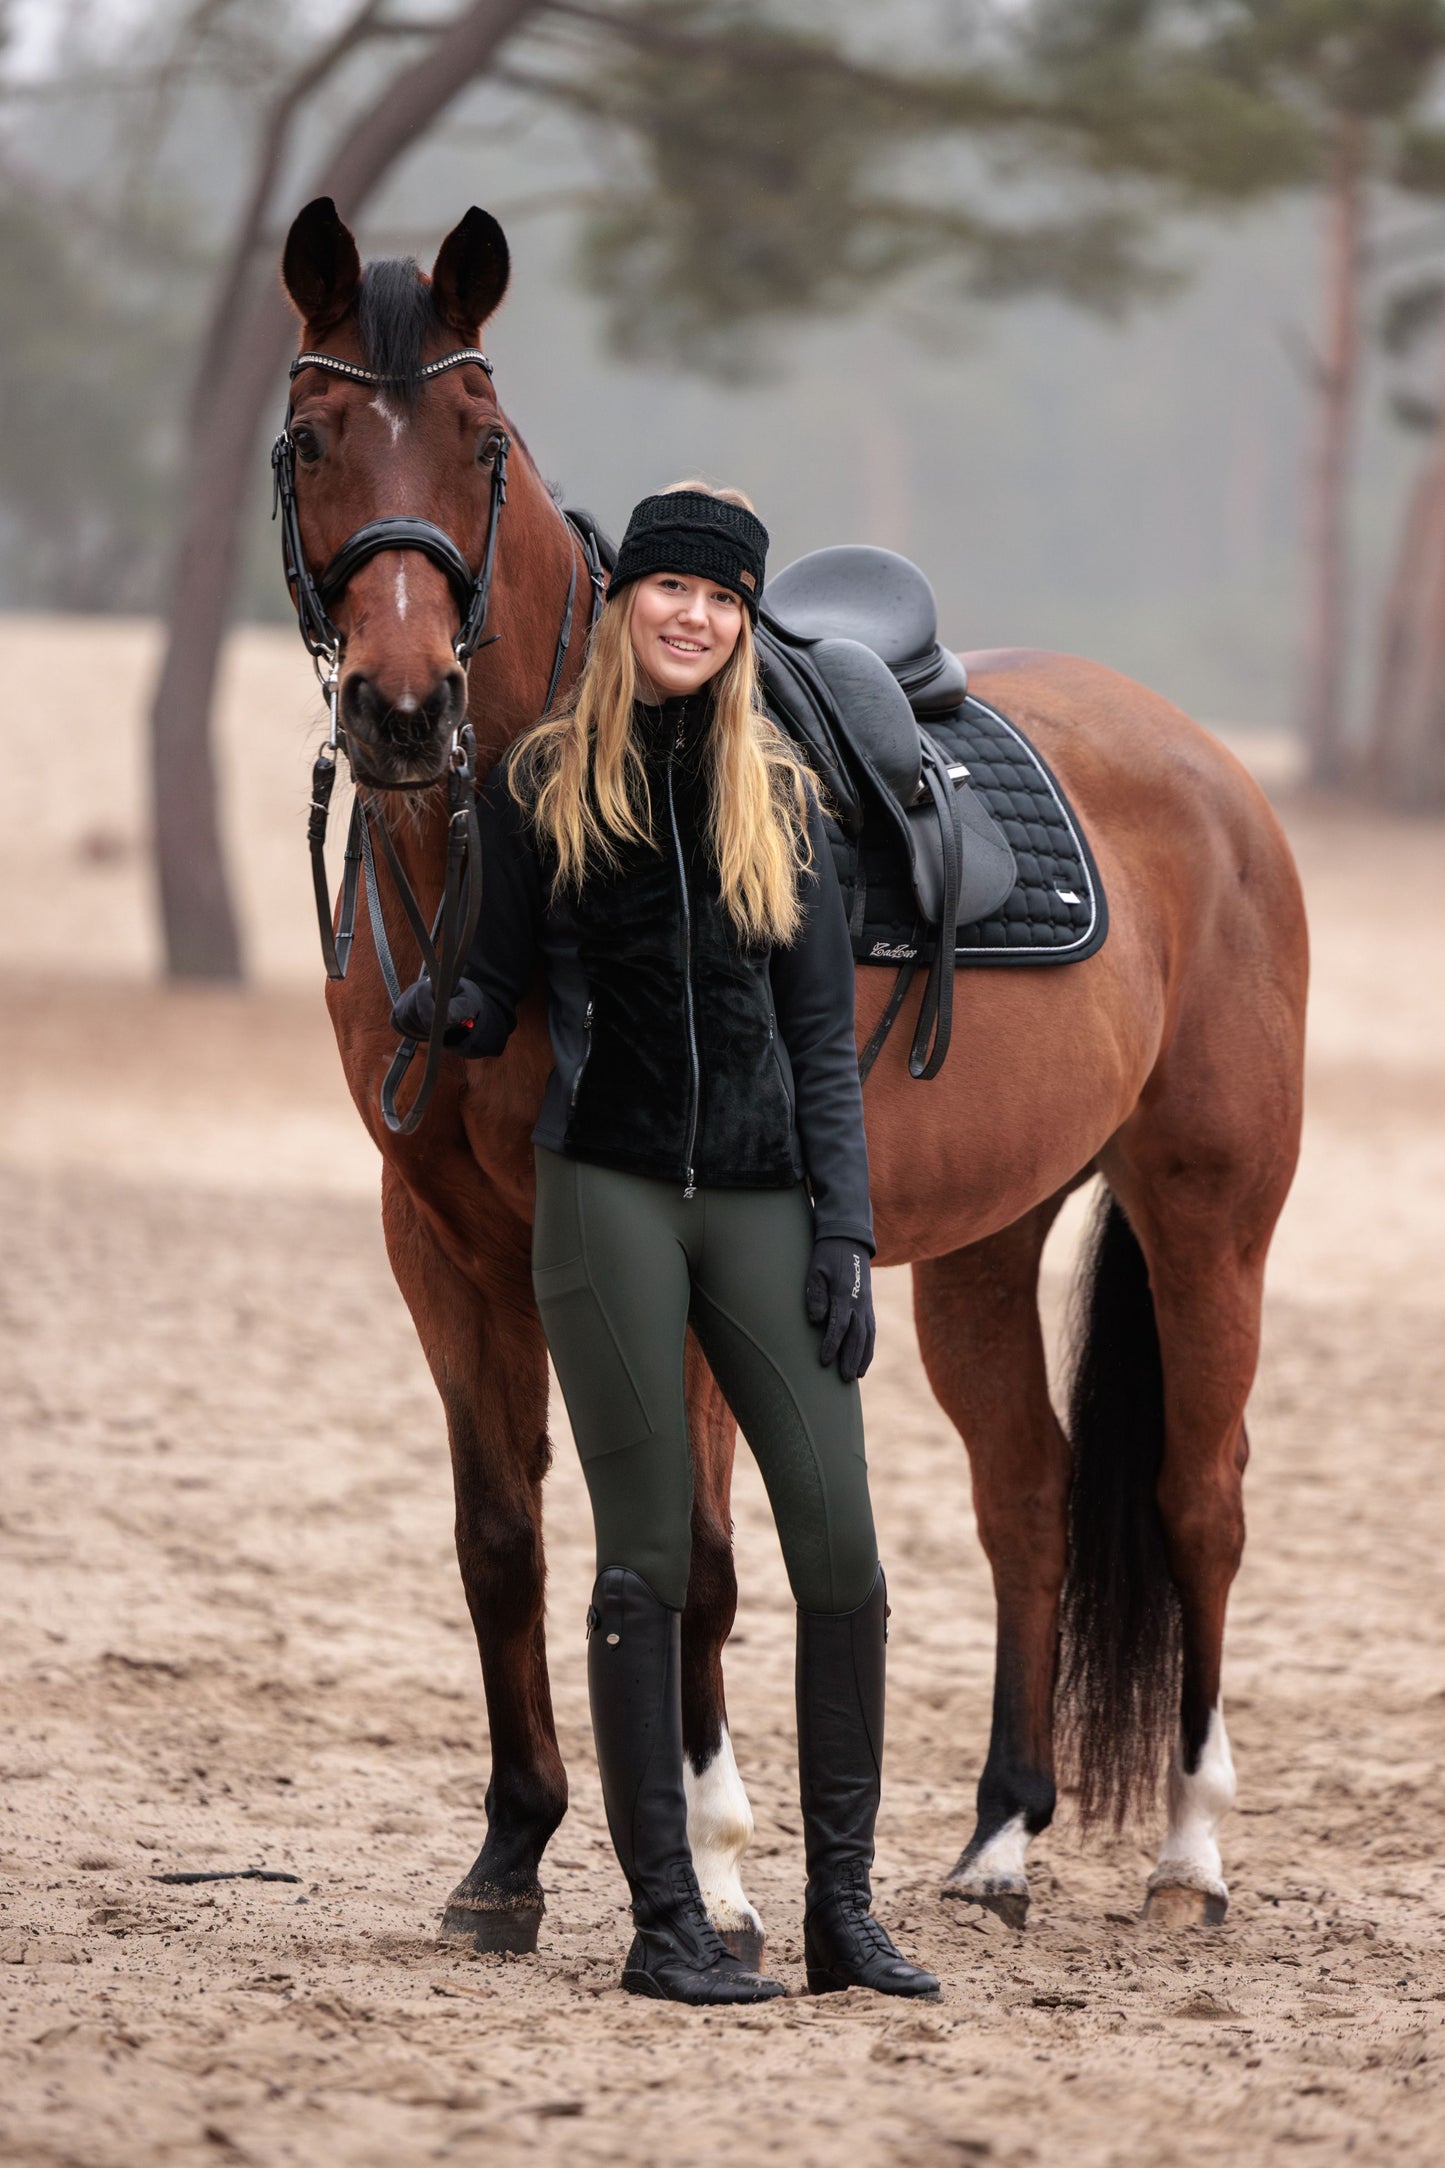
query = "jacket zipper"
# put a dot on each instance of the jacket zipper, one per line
(690, 1186)
(778, 1060)
(586, 1057)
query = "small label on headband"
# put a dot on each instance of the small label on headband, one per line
(748, 582)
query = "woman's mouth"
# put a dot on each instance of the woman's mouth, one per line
(681, 647)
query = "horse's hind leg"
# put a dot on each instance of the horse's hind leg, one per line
(1202, 1171)
(1205, 1279)
(982, 1346)
(719, 1818)
(485, 1347)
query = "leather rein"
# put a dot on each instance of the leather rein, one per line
(445, 942)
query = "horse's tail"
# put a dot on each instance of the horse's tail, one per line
(1119, 1674)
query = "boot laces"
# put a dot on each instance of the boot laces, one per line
(854, 1898)
(876, 1936)
(688, 1899)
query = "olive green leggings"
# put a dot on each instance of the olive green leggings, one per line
(621, 1264)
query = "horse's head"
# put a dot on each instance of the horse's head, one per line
(392, 443)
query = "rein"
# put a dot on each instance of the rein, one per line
(445, 942)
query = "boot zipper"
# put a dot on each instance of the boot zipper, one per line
(690, 1186)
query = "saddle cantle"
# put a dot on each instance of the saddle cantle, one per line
(943, 817)
(855, 592)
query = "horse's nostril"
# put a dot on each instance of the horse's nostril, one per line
(360, 706)
(443, 705)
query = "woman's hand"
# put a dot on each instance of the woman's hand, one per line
(413, 1014)
(839, 1295)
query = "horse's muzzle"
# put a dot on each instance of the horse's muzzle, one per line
(396, 743)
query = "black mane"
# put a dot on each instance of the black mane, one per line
(395, 318)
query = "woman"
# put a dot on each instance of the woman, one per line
(700, 1159)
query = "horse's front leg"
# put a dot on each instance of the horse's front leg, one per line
(982, 1347)
(719, 1818)
(484, 1343)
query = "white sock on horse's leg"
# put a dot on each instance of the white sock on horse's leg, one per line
(719, 1831)
(997, 1867)
(1198, 1802)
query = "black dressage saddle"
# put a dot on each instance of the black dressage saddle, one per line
(954, 843)
(853, 669)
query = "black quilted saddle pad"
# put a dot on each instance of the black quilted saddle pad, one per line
(1056, 912)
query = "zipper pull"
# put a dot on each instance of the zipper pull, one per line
(690, 1188)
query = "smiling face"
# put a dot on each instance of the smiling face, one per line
(683, 631)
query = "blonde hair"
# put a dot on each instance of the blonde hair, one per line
(581, 776)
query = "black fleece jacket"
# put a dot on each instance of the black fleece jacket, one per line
(682, 1052)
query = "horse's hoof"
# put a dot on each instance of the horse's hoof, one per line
(1007, 1903)
(1176, 1904)
(494, 1920)
(746, 1943)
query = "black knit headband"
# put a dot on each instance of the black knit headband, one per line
(688, 531)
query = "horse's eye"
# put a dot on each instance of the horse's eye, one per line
(486, 447)
(307, 443)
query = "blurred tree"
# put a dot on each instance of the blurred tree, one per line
(80, 529)
(1404, 764)
(755, 168)
(1337, 95)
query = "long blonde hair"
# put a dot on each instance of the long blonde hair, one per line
(581, 776)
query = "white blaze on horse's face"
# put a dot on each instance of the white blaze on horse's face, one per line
(395, 422)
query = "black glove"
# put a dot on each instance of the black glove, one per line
(413, 1014)
(839, 1294)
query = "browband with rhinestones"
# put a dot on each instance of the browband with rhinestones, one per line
(358, 375)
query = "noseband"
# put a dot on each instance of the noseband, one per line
(445, 943)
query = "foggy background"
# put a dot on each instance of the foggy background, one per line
(1129, 488)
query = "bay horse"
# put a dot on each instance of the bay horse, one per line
(1169, 1063)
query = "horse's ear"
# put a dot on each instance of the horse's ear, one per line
(320, 268)
(470, 274)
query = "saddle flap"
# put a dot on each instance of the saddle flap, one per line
(797, 706)
(987, 866)
(875, 713)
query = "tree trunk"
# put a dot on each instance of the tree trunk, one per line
(1405, 766)
(1322, 706)
(198, 916)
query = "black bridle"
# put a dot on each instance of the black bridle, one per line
(445, 943)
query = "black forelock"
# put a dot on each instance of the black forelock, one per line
(394, 319)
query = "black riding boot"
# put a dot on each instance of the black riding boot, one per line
(840, 1759)
(634, 1678)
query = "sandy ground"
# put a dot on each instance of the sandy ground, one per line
(233, 1632)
